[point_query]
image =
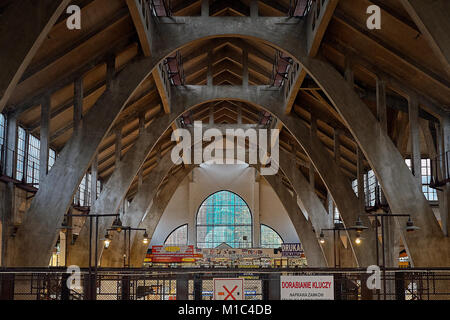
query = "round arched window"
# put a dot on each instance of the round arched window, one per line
(224, 218)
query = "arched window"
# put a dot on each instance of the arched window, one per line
(224, 218)
(179, 236)
(270, 238)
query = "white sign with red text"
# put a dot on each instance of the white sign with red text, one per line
(307, 288)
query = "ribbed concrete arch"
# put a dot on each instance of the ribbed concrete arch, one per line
(286, 34)
(268, 99)
(313, 251)
(142, 201)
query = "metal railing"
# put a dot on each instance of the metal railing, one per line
(197, 284)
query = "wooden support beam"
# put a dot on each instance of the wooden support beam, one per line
(432, 19)
(315, 33)
(23, 28)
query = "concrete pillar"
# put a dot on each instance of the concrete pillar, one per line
(312, 175)
(44, 138)
(360, 177)
(414, 138)
(94, 178)
(349, 75)
(239, 116)
(62, 248)
(256, 214)
(446, 190)
(254, 8)
(182, 287)
(77, 104)
(110, 70)
(337, 147)
(211, 115)
(205, 8)
(11, 142)
(192, 236)
(209, 75)
(245, 75)
(118, 149)
(381, 103)
(141, 123)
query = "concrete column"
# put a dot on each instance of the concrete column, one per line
(62, 248)
(77, 104)
(118, 149)
(140, 178)
(312, 175)
(256, 214)
(211, 115)
(239, 116)
(349, 75)
(209, 75)
(205, 8)
(94, 178)
(254, 8)
(141, 123)
(414, 138)
(110, 70)
(192, 237)
(360, 177)
(381, 103)
(245, 74)
(446, 151)
(44, 138)
(337, 147)
(11, 142)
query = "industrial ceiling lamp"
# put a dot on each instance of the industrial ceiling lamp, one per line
(410, 227)
(359, 227)
(322, 238)
(107, 240)
(145, 240)
(117, 224)
(358, 239)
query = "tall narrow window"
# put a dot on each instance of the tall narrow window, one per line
(2, 129)
(224, 218)
(179, 236)
(429, 193)
(34, 145)
(270, 238)
(20, 156)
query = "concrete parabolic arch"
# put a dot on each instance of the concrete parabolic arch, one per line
(303, 227)
(143, 203)
(169, 34)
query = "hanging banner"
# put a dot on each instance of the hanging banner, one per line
(307, 288)
(291, 249)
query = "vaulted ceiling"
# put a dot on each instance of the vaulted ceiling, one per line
(398, 51)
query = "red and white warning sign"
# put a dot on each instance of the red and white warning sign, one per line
(228, 289)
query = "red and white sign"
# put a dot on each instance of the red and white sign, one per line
(307, 288)
(228, 289)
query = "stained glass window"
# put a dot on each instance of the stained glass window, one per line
(270, 238)
(179, 236)
(224, 218)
